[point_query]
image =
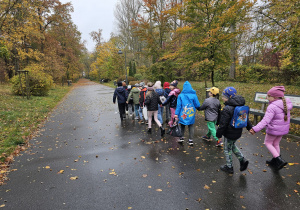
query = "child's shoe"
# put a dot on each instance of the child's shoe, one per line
(180, 140)
(219, 143)
(226, 169)
(162, 131)
(149, 131)
(206, 138)
(271, 162)
(243, 164)
(279, 163)
(191, 143)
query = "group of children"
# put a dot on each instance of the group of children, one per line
(149, 101)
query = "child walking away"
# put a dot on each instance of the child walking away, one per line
(121, 94)
(166, 93)
(152, 100)
(230, 133)
(135, 95)
(143, 91)
(172, 100)
(211, 106)
(187, 103)
(277, 121)
(157, 87)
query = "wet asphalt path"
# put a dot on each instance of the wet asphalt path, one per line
(84, 158)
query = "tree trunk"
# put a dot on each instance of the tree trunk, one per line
(232, 53)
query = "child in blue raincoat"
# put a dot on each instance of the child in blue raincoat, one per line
(187, 103)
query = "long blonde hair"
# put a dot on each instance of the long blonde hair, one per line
(284, 108)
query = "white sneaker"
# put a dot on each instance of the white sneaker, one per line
(127, 112)
(191, 143)
(180, 140)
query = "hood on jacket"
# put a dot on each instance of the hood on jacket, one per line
(175, 92)
(120, 89)
(135, 90)
(157, 85)
(236, 101)
(187, 88)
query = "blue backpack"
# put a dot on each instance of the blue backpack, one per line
(240, 117)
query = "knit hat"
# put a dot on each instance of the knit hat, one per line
(277, 91)
(157, 85)
(119, 84)
(150, 84)
(214, 90)
(229, 92)
(142, 84)
(166, 85)
(174, 83)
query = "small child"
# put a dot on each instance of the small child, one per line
(172, 100)
(187, 103)
(167, 107)
(211, 106)
(231, 134)
(152, 101)
(135, 96)
(121, 94)
(277, 121)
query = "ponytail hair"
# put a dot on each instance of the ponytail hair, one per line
(285, 108)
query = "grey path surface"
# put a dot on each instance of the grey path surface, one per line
(119, 166)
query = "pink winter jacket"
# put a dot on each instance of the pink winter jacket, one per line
(274, 119)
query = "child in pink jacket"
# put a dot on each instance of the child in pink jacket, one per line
(277, 123)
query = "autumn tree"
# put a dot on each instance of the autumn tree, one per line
(283, 31)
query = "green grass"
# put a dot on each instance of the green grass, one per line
(20, 117)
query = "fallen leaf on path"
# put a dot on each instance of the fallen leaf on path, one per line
(296, 191)
(145, 175)
(74, 177)
(158, 190)
(242, 197)
(199, 200)
(206, 187)
(298, 183)
(143, 157)
(3, 205)
(47, 167)
(61, 172)
(149, 187)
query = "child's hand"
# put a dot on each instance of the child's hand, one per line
(252, 131)
(176, 116)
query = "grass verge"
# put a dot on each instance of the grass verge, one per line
(19, 117)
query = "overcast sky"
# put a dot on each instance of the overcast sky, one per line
(91, 15)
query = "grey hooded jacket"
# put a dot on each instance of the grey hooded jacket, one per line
(211, 106)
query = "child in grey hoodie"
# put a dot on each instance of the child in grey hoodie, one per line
(212, 108)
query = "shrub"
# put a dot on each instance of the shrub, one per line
(39, 82)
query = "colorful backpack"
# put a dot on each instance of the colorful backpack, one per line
(240, 117)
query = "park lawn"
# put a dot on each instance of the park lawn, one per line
(20, 118)
(247, 90)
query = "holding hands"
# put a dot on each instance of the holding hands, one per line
(252, 131)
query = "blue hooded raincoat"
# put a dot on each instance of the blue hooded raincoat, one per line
(187, 103)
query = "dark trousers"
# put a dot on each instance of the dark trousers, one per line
(122, 110)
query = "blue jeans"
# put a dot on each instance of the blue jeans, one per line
(141, 113)
(160, 114)
(136, 110)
